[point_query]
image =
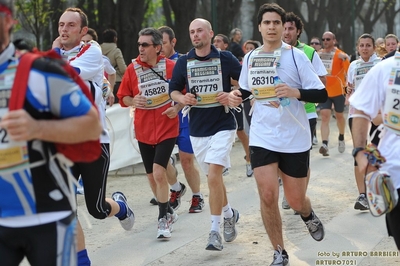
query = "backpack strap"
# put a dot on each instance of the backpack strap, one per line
(18, 91)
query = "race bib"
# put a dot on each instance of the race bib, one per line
(205, 78)
(327, 60)
(153, 84)
(391, 111)
(262, 70)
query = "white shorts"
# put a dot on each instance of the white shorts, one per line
(213, 149)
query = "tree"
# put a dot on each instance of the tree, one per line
(35, 17)
(390, 14)
(184, 12)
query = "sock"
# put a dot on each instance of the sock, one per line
(227, 211)
(305, 219)
(162, 210)
(176, 187)
(198, 194)
(365, 195)
(83, 258)
(122, 210)
(170, 210)
(215, 222)
(341, 136)
(325, 142)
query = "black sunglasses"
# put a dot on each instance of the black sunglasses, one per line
(144, 44)
(314, 43)
(326, 39)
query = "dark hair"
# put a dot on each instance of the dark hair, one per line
(292, 17)
(224, 38)
(109, 35)
(167, 30)
(367, 36)
(84, 18)
(92, 33)
(271, 7)
(154, 33)
(255, 43)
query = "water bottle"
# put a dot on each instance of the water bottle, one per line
(283, 101)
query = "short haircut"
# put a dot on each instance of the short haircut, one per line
(109, 35)
(84, 18)
(253, 42)
(156, 35)
(292, 17)
(167, 30)
(271, 7)
(224, 38)
(234, 32)
(92, 33)
(367, 36)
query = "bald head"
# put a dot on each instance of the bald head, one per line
(201, 33)
(328, 40)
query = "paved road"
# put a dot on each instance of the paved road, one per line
(350, 238)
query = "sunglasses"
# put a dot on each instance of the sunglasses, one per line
(326, 39)
(315, 43)
(144, 44)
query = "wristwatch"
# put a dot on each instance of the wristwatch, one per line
(356, 150)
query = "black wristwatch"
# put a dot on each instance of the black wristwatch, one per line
(356, 150)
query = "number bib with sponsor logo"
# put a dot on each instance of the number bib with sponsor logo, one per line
(327, 60)
(360, 71)
(152, 86)
(262, 70)
(205, 77)
(391, 111)
(13, 154)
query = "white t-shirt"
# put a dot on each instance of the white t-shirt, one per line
(370, 98)
(108, 68)
(89, 60)
(321, 71)
(274, 128)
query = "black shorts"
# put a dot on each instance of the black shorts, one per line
(158, 154)
(337, 101)
(292, 164)
(51, 244)
(393, 223)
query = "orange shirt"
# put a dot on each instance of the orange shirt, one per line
(151, 126)
(336, 82)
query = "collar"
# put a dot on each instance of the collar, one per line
(144, 64)
(213, 54)
(8, 53)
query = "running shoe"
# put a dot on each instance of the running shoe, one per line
(129, 220)
(230, 232)
(153, 201)
(315, 228)
(225, 172)
(279, 258)
(164, 229)
(249, 170)
(175, 197)
(342, 146)
(324, 150)
(285, 205)
(361, 203)
(172, 218)
(315, 140)
(196, 205)
(214, 241)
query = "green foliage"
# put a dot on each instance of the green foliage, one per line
(154, 16)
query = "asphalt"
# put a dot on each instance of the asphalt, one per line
(351, 237)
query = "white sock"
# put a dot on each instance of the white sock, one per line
(198, 194)
(227, 211)
(215, 222)
(177, 186)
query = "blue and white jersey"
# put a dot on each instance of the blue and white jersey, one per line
(32, 179)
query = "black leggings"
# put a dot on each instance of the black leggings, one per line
(94, 178)
(158, 153)
(51, 244)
